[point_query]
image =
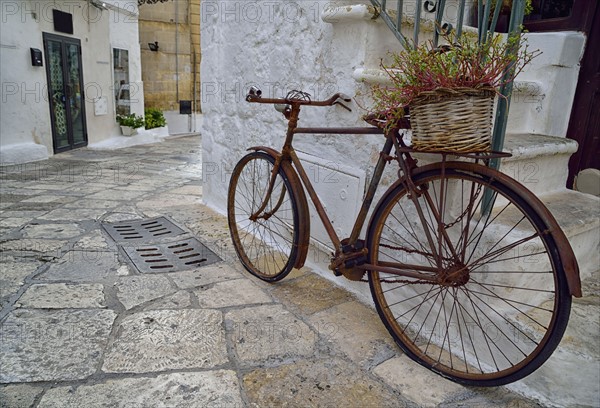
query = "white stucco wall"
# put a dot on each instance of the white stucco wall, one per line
(124, 34)
(24, 113)
(322, 50)
(25, 126)
(277, 47)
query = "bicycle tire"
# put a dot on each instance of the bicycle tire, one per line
(500, 307)
(268, 246)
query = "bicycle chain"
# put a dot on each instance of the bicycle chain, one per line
(460, 217)
(415, 251)
(410, 251)
(400, 281)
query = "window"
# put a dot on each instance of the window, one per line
(121, 81)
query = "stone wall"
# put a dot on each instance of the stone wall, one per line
(276, 46)
(169, 74)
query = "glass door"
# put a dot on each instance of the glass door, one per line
(65, 90)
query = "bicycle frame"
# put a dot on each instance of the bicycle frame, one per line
(289, 154)
(349, 249)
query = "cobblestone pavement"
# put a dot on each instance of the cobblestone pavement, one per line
(82, 327)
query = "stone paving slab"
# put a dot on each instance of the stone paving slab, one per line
(416, 382)
(269, 333)
(204, 276)
(98, 204)
(43, 199)
(13, 222)
(211, 389)
(12, 277)
(116, 195)
(27, 214)
(135, 290)
(51, 231)
(161, 340)
(357, 331)
(476, 397)
(329, 383)
(64, 214)
(32, 247)
(82, 266)
(56, 345)
(63, 296)
(19, 396)
(169, 200)
(178, 300)
(93, 241)
(310, 293)
(231, 293)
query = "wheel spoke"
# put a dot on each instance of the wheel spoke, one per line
(489, 316)
(266, 246)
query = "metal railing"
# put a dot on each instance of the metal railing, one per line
(487, 19)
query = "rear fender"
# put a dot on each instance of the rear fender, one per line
(303, 214)
(569, 261)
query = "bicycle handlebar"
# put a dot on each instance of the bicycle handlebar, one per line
(255, 95)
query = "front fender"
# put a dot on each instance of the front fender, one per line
(302, 205)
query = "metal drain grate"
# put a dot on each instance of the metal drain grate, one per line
(171, 257)
(142, 230)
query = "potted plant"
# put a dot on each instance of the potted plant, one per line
(449, 90)
(129, 123)
(154, 118)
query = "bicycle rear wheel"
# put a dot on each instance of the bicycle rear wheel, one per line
(497, 302)
(267, 243)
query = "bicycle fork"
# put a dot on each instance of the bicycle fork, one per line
(407, 164)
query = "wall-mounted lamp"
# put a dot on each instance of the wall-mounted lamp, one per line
(153, 47)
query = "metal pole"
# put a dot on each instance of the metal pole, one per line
(514, 28)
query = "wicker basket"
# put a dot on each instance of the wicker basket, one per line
(457, 120)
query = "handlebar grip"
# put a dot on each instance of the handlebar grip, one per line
(253, 92)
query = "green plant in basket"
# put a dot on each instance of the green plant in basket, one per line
(154, 118)
(132, 120)
(449, 90)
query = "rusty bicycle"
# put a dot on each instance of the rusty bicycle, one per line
(468, 270)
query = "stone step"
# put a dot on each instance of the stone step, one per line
(539, 162)
(544, 90)
(578, 215)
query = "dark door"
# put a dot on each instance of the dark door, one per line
(65, 91)
(584, 125)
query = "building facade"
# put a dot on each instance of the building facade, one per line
(62, 65)
(170, 52)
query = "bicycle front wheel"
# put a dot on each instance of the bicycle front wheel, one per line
(266, 242)
(491, 302)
